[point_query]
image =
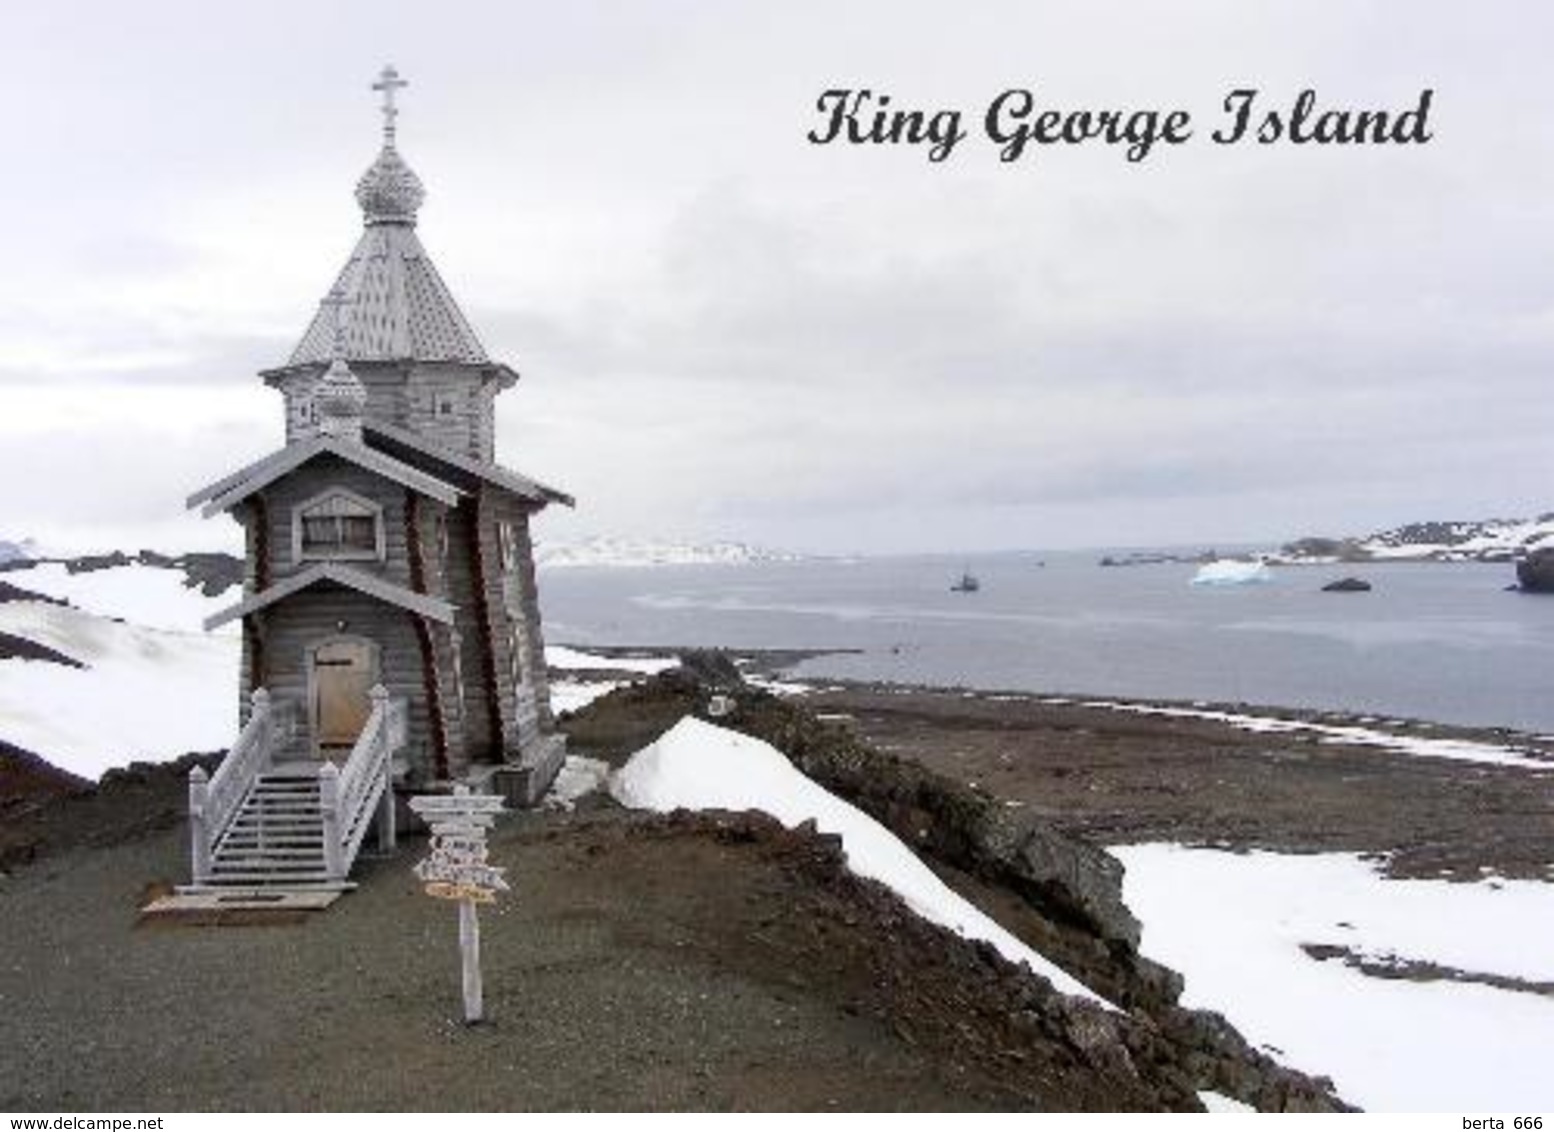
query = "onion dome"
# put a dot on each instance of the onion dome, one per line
(339, 397)
(389, 192)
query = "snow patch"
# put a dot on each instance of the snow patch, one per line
(696, 765)
(578, 776)
(1219, 1102)
(1233, 925)
(566, 658)
(779, 687)
(574, 695)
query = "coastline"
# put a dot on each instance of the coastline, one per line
(1429, 800)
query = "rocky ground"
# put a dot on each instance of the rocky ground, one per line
(681, 961)
(1117, 777)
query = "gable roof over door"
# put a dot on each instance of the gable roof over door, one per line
(326, 573)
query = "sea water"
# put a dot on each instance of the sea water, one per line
(1433, 641)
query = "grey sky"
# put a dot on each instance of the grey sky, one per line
(725, 331)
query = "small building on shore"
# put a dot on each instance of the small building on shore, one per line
(389, 597)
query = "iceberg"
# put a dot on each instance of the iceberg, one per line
(1232, 572)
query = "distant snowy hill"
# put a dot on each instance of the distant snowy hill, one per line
(1480, 540)
(12, 551)
(602, 551)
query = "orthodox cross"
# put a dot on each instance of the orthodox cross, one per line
(336, 303)
(388, 82)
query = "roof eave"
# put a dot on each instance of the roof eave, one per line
(492, 473)
(234, 489)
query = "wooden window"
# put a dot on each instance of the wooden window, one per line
(339, 525)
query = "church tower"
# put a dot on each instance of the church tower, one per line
(390, 573)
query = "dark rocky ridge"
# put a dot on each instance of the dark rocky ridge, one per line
(1070, 889)
(13, 647)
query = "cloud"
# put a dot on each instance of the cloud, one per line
(725, 331)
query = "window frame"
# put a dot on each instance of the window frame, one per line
(365, 508)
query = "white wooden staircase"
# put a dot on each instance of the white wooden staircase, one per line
(264, 828)
(276, 837)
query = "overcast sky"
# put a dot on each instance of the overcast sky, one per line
(727, 332)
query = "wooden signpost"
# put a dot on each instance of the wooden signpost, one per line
(457, 870)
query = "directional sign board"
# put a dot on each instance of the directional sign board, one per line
(457, 869)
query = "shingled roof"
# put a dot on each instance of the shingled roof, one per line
(396, 307)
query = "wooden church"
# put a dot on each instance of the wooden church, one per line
(390, 620)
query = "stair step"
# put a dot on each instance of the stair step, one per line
(245, 857)
(262, 879)
(281, 810)
(266, 866)
(311, 869)
(268, 853)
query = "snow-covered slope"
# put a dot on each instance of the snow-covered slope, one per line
(144, 693)
(654, 552)
(150, 596)
(1236, 926)
(697, 765)
(153, 686)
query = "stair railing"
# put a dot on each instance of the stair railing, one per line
(349, 795)
(215, 799)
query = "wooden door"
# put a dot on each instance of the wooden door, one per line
(343, 675)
